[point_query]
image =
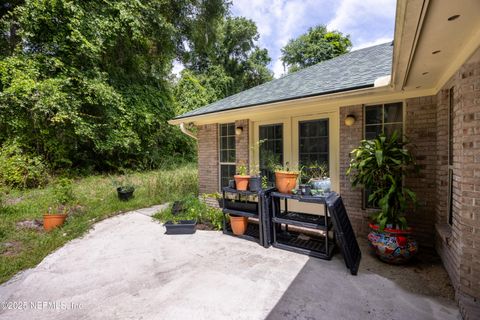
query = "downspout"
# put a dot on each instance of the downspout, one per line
(187, 132)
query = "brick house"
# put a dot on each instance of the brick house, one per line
(425, 84)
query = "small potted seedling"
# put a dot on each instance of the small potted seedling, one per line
(316, 175)
(125, 188)
(286, 178)
(255, 181)
(56, 216)
(241, 178)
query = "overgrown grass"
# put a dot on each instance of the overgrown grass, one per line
(95, 199)
(193, 208)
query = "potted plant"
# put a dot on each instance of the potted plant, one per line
(239, 224)
(125, 188)
(316, 175)
(241, 178)
(379, 165)
(286, 178)
(255, 181)
(56, 217)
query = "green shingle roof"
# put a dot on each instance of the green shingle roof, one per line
(354, 70)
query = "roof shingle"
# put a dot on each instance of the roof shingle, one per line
(354, 70)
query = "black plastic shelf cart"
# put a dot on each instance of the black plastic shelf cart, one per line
(311, 242)
(253, 210)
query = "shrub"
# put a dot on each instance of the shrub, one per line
(193, 208)
(19, 169)
(64, 191)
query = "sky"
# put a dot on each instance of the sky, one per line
(368, 22)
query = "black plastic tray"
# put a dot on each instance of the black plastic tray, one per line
(302, 220)
(181, 227)
(313, 246)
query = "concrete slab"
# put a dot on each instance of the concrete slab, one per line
(127, 268)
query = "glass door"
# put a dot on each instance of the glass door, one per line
(270, 149)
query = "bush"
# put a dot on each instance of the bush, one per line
(19, 169)
(193, 208)
(64, 191)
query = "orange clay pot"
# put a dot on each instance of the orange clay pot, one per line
(51, 221)
(239, 225)
(241, 182)
(286, 181)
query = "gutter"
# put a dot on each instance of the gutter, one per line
(187, 132)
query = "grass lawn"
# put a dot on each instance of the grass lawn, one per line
(95, 199)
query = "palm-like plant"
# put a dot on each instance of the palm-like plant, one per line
(379, 165)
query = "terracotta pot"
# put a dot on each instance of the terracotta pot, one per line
(51, 221)
(394, 246)
(239, 225)
(241, 182)
(286, 181)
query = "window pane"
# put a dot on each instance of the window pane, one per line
(389, 129)
(373, 114)
(393, 112)
(271, 150)
(227, 142)
(371, 132)
(313, 142)
(227, 171)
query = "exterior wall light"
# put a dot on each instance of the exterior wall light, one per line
(238, 130)
(350, 120)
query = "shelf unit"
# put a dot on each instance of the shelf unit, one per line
(314, 241)
(255, 224)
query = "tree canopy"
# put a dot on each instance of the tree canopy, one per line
(230, 63)
(316, 45)
(87, 84)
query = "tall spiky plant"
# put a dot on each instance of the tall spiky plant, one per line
(380, 165)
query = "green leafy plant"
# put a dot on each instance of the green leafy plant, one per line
(287, 168)
(313, 171)
(193, 208)
(20, 169)
(124, 183)
(380, 165)
(64, 191)
(264, 182)
(242, 170)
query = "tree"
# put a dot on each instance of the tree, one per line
(84, 83)
(234, 50)
(314, 46)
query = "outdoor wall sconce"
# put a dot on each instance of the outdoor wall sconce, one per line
(350, 120)
(238, 130)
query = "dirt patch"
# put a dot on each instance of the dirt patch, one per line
(205, 226)
(13, 201)
(11, 248)
(424, 274)
(34, 224)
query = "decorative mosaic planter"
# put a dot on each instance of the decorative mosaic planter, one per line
(392, 245)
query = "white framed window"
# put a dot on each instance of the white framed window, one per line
(226, 151)
(382, 118)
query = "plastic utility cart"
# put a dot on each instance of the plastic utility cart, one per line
(242, 205)
(300, 231)
(272, 223)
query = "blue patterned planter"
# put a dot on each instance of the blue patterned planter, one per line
(392, 245)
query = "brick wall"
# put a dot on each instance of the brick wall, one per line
(459, 244)
(420, 127)
(349, 139)
(421, 131)
(208, 158)
(241, 143)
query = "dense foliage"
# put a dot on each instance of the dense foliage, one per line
(379, 165)
(316, 45)
(229, 63)
(85, 84)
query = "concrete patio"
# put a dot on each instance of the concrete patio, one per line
(127, 268)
